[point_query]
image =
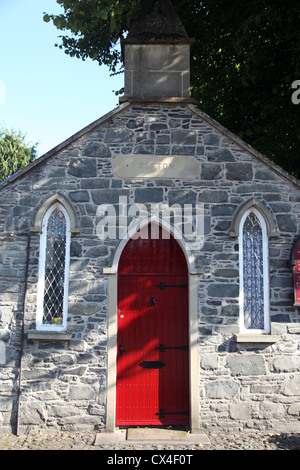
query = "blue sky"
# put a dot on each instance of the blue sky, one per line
(44, 93)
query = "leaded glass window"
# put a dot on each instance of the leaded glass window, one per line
(54, 266)
(254, 272)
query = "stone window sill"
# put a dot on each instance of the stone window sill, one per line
(49, 335)
(244, 338)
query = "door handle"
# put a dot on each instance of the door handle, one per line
(122, 350)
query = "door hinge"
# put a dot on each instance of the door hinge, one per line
(162, 285)
(152, 364)
(162, 413)
(163, 347)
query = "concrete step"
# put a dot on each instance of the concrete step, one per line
(152, 436)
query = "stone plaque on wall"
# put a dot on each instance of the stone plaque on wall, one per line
(156, 166)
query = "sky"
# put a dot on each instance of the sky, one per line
(44, 93)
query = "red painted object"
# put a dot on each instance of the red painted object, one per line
(152, 362)
(296, 262)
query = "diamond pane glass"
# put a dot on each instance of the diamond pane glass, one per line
(54, 269)
(253, 273)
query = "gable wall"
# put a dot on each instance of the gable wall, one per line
(64, 382)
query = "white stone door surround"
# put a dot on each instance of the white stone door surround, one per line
(112, 273)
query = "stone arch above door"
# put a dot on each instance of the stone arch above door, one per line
(187, 250)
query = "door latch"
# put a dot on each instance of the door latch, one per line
(152, 301)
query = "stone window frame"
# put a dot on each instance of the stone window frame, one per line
(60, 198)
(270, 223)
(52, 333)
(40, 326)
(266, 283)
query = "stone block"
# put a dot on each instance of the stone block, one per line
(135, 123)
(291, 386)
(96, 149)
(294, 409)
(286, 364)
(112, 196)
(33, 413)
(39, 374)
(99, 183)
(213, 196)
(163, 139)
(183, 150)
(82, 167)
(211, 139)
(223, 210)
(287, 223)
(220, 155)
(245, 365)
(144, 149)
(76, 249)
(282, 282)
(227, 273)
(223, 290)
(183, 137)
(268, 410)
(221, 389)
(118, 135)
(84, 308)
(158, 126)
(240, 411)
(81, 392)
(209, 362)
(79, 196)
(182, 197)
(144, 195)
(264, 174)
(97, 252)
(239, 171)
(211, 171)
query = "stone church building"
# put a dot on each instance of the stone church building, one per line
(150, 267)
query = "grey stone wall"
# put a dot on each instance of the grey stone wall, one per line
(252, 386)
(63, 382)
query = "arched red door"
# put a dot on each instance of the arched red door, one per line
(153, 352)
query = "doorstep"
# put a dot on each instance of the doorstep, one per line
(151, 435)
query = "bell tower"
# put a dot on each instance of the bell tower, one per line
(156, 55)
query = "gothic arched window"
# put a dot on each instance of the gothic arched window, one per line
(52, 305)
(254, 273)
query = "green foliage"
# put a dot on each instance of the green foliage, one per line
(245, 59)
(14, 152)
(96, 27)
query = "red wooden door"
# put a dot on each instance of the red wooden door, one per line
(152, 361)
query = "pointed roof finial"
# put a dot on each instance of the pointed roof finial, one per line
(157, 25)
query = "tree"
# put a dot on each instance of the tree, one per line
(14, 152)
(96, 27)
(244, 62)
